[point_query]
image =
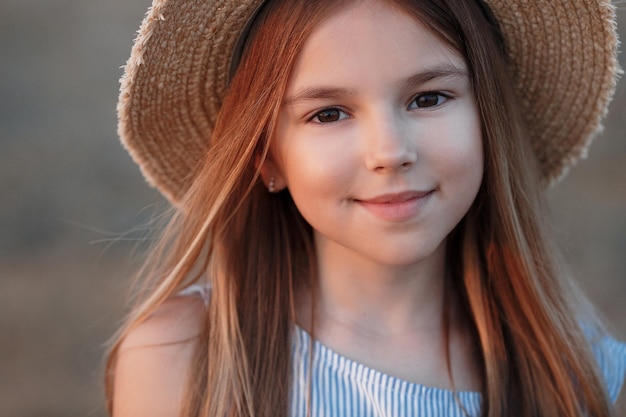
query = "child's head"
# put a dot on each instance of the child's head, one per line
(213, 95)
(200, 106)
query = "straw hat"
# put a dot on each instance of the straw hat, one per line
(563, 54)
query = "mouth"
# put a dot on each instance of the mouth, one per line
(396, 207)
(394, 198)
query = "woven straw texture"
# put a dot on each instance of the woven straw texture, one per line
(563, 54)
(174, 83)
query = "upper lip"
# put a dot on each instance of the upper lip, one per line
(395, 197)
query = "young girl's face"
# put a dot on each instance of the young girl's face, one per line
(379, 138)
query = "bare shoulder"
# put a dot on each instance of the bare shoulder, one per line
(154, 358)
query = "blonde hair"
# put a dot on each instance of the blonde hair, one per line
(256, 250)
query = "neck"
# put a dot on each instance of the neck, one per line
(377, 300)
(390, 318)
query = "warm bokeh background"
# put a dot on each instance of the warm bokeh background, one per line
(71, 202)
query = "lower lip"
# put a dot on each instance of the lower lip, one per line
(398, 211)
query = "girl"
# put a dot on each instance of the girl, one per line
(358, 192)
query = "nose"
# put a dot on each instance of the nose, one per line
(391, 144)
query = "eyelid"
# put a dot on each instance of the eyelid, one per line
(310, 118)
(446, 95)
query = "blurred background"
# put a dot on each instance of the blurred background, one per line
(73, 204)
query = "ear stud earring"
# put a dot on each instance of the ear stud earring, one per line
(272, 185)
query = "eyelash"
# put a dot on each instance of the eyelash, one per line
(315, 117)
(438, 94)
(343, 115)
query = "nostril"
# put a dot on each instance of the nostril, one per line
(393, 164)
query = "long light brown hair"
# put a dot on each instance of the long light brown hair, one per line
(256, 251)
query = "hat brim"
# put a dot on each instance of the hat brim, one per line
(564, 58)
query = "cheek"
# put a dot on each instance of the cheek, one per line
(474, 152)
(460, 155)
(318, 166)
(465, 160)
(316, 185)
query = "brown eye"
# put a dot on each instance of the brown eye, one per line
(329, 116)
(428, 100)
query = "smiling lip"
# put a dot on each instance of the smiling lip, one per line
(396, 207)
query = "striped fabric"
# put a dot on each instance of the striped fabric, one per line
(611, 357)
(341, 387)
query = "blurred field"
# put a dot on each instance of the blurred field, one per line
(71, 199)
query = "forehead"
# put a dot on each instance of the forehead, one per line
(370, 37)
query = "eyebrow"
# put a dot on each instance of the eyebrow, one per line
(317, 93)
(439, 71)
(331, 93)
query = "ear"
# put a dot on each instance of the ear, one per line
(271, 174)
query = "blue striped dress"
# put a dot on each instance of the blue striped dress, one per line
(340, 387)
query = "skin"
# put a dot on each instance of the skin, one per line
(378, 107)
(151, 370)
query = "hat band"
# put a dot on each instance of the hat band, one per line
(242, 41)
